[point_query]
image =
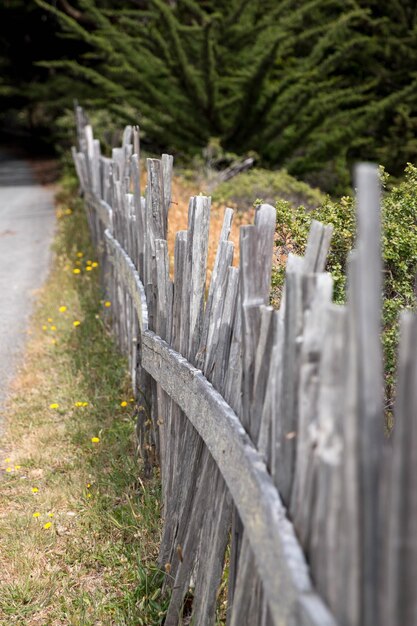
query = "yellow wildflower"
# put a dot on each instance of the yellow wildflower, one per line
(54, 405)
(62, 309)
(68, 211)
(7, 460)
(9, 469)
(50, 319)
(76, 270)
(84, 403)
(44, 327)
(88, 485)
(89, 262)
(47, 525)
(124, 403)
(88, 495)
(94, 264)
(107, 304)
(35, 490)
(95, 439)
(76, 323)
(53, 327)
(80, 254)
(50, 514)
(37, 514)
(88, 268)
(17, 467)
(132, 400)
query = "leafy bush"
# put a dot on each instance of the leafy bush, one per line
(399, 219)
(268, 186)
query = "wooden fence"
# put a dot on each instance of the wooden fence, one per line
(268, 425)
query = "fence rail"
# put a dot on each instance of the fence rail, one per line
(267, 425)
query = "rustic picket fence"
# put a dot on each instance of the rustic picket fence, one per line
(268, 425)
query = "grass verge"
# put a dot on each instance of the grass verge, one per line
(79, 529)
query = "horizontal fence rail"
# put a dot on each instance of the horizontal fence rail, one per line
(267, 425)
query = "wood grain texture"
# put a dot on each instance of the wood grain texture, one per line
(208, 528)
(263, 407)
(367, 283)
(129, 275)
(278, 555)
(399, 602)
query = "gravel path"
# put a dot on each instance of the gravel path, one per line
(26, 227)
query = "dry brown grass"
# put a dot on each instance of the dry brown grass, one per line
(95, 564)
(178, 214)
(182, 190)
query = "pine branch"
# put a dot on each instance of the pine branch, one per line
(74, 13)
(187, 73)
(194, 8)
(211, 76)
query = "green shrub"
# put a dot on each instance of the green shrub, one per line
(399, 219)
(268, 186)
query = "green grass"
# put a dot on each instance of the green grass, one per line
(96, 563)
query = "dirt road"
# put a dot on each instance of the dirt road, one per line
(26, 228)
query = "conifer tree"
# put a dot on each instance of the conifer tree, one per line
(307, 85)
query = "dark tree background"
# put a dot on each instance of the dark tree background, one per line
(29, 34)
(310, 85)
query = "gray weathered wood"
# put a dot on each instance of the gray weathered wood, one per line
(314, 337)
(167, 164)
(278, 555)
(318, 245)
(174, 418)
(197, 249)
(288, 409)
(207, 535)
(127, 272)
(399, 602)
(248, 598)
(204, 546)
(272, 392)
(214, 286)
(305, 382)
(155, 214)
(215, 319)
(349, 601)
(163, 316)
(262, 365)
(219, 377)
(368, 283)
(325, 516)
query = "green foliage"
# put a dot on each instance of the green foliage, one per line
(122, 523)
(399, 220)
(309, 86)
(104, 127)
(97, 563)
(267, 186)
(293, 225)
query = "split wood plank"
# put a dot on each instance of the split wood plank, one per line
(278, 555)
(367, 283)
